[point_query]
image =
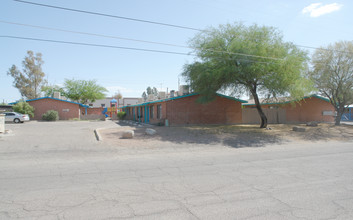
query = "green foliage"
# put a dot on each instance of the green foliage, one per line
(83, 91)
(121, 115)
(49, 90)
(50, 115)
(30, 80)
(149, 91)
(24, 108)
(332, 74)
(144, 96)
(270, 66)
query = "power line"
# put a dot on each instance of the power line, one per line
(108, 15)
(95, 45)
(145, 21)
(115, 47)
(136, 40)
(320, 48)
(91, 34)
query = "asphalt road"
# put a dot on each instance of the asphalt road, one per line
(59, 171)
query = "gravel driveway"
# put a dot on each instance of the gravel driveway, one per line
(57, 170)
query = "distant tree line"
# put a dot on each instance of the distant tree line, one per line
(31, 83)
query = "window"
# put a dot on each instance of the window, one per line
(151, 111)
(103, 105)
(159, 111)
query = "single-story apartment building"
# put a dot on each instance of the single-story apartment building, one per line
(66, 109)
(310, 108)
(184, 110)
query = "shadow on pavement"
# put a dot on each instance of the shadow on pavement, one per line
(207, 135)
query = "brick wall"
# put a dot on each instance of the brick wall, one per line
(92, 111)
(188, 111)
(66, 110)
(309, 109)
(185, 111)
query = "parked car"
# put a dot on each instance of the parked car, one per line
(16, 117)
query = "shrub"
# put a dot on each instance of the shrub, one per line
(121, 115)
(23, 108)
(50, 115)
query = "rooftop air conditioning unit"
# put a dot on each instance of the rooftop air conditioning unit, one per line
(57, 95)
(150, 97)
(161, 95)
(183, 90)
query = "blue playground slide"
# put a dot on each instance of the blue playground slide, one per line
(104, 112)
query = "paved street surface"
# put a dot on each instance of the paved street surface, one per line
(57, 170)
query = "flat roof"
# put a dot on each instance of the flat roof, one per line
(289, 101)
(179, 97)
(47, 97)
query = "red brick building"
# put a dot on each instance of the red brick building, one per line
(66, 109)
(310, 108)
(183, 110)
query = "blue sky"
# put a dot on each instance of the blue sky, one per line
(303, 22)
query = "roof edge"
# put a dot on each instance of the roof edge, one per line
(183, 96)
(286, 102)
(47, 97)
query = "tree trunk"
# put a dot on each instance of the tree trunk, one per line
(339, 116)
(259, 110)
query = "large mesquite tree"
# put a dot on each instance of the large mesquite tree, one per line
(333, 74)
(242, 59)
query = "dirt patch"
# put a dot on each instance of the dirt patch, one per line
(229, 135)
(236, 136)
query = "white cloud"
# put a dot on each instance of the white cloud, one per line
(318, 9)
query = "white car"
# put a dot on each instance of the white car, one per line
(16, 117)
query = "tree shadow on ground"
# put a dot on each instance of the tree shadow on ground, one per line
(210, 135)
(324, 133)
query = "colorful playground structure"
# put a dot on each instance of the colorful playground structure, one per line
(348, 114)
(112, 110)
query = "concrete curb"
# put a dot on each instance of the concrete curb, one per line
(97, 134)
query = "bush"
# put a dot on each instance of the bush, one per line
(23, 108)
(121, 115)
(50, 115)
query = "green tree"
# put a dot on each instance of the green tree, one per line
(49, 90)
(144, 96)
(332, 74)
(24, 108)
(155, 91)
(148, 92)
(270, 66)
(30, 80)
(83, 91)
